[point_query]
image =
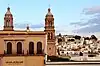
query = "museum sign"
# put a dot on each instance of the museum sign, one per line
(14, 62)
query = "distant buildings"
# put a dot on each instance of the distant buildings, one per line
(28, 48)
(74, 45)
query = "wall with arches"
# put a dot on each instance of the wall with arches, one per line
(23, 41)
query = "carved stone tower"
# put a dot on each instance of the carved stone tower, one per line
(8, 21)
(50, 30)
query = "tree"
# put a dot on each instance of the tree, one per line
(77, 37)
(86, 38)
(60, 34)
(93, 37)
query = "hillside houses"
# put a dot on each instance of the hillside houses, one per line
(74, 45)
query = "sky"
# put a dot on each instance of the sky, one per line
(71, 16)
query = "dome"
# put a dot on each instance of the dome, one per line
(8, 11)
(49, 12)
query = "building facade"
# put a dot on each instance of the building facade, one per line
(25, 47)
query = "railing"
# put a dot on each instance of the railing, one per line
(40, 53)
(30, 54)
(12, 54)
(22, 54)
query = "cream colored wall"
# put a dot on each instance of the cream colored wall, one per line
(27, 61)
(8, 59)
(2, 47)
(35, 61)
(25, 43)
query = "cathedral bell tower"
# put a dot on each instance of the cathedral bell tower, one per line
(50, 30)
(8, 21)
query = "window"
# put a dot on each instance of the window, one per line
(50, 24)
(7, 22)
(59, 40)
(31, 48)
(48, 35)
(19, 48)
(9, 48)
(39, 48)
(51, 35)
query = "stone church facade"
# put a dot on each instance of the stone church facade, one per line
(25, 47)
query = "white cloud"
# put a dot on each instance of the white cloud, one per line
(92, 10)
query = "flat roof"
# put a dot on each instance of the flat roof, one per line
(22, 32)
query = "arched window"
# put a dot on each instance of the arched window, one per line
(19, 48)
(31, 48)
(9, 48)
(39, 48)
(50, 24)
(7, 22)
(51, 35)
(48, 35)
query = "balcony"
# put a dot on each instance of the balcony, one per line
(22, 54)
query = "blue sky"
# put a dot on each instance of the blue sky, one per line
(71, 16)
